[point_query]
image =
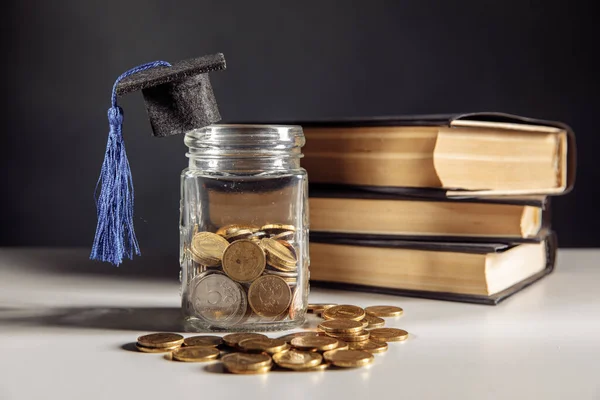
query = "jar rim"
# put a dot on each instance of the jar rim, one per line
(246, 137)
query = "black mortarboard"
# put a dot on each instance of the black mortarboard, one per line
(179, 98)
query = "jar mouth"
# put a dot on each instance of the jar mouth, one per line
(246, 139)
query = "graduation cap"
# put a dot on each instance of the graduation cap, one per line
(178, 98)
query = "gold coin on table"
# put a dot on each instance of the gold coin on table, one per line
(369, 345)
(233, 339)
(389, 334)
(349, 358)
(195, 354)
(207, 248)
(341, 326)
(261, 370)
(286, 235)
(343, 345)
(228, 230)
(288, 338)
(297, 359)
(203, 341)
(245, 362)
(269, 296)
(244, 261)
(155, 349)
(161, 339)
(279, 255)
(344, 311)
(384, 311)
(317, 308)
(314, 343)
(350, 337)
(374, 322)
(267, 345)
(275, 229)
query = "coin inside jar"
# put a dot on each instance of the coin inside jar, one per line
(286, 235)
(278, 255)
(207, 248)
(275, 229)
(297, 359)
(230, 229)
(238, 235)
(218, 299)
(344, 311)
(195, 354)
(269, 296)
(244, 261)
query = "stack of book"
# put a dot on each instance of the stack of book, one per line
(452, 207)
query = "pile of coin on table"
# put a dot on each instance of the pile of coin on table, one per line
(347, 337)
(256, 266)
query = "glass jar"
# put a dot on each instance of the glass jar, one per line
(244, 229)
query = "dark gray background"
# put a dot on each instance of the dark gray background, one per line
(286, 60)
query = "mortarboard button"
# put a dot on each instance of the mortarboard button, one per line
(178, 98)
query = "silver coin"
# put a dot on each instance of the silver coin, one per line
(218, 300)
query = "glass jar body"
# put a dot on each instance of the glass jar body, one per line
(244, 236)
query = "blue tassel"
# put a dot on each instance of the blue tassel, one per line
(115, 237)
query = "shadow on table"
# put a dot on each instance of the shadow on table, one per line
(134, 319)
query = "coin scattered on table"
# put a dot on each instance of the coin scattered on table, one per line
(344, 312)
(389, 334)
(195, 354)
(349, 358)
(203, 341)
(384, 311)
(317, 308)
(340, 341)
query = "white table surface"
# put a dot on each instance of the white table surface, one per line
(62, 333)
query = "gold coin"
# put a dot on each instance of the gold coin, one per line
(155, 349)
(374, 322)
(341, 326)
(317, 308)
(240, 234)
(275, 229)
(364, 323)
(389, 334)
(267, 345)
(384, 311)
(244, 261)
(233, 339)
(278, 254)
(257, 236)
(269, 296)
(315, 343)
(203, 341)
(286, 235)
(349, 358)
(261, 370)
(228, 230)
(369, 345)
(343, 345)
(207, 248)
(297, 360)
(344, 312)
(162, 339)
(288, 338)
(246, 361)
(350, 337)
(195, 354)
